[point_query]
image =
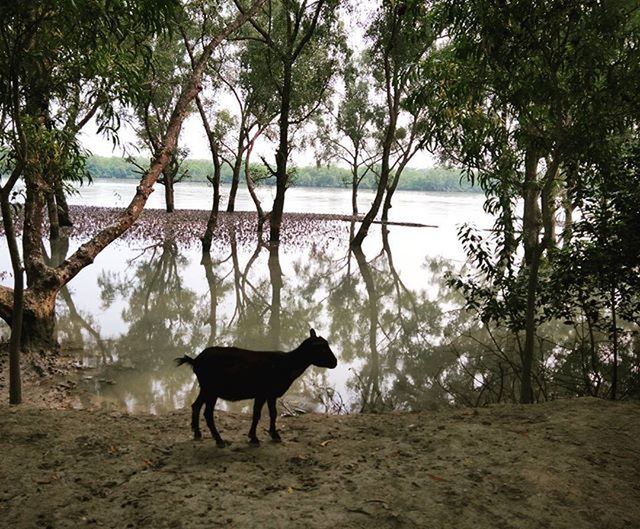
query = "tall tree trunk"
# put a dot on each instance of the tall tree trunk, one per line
(262, 216)
(15, 384)
(354, 190)
(382, 187)
(235, 180)
(215, 181)
(548, 202)
(568, 220)
(282, 157)
(614, 337)
(532, 254)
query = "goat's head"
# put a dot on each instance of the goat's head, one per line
(317, 349)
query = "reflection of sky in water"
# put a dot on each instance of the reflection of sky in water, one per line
(134, 348)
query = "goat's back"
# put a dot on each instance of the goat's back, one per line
(236, 374)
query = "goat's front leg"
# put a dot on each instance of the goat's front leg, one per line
(273, 414)
(257, 410)
(208, 415)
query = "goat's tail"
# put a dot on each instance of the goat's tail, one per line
(184, 360)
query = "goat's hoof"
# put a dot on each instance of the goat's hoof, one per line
(197, 436)
(276, 439)
(221, 443)
(254, 442)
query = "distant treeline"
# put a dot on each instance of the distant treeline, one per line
(433, 179)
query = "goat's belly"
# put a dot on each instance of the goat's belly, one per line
(234, 393)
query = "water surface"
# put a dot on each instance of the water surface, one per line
(386, 312)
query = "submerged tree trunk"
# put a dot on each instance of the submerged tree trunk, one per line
(168, 192)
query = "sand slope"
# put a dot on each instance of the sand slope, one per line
(563, 464)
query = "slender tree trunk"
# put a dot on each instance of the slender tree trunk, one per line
(354, 190)
(15, 384)
(237, 168)
(532, 254)
(251, 187)
(548, 202)
(568, 221)
(614, 336)
(235, 179)
(282, 157)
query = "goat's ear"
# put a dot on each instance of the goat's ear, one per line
(312, 333)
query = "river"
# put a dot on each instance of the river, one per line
(387, 314)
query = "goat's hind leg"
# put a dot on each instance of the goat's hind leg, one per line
(273, 414)
(195, 416)
(257, 410)
(208, 416)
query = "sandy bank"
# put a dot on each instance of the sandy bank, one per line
(563, 464)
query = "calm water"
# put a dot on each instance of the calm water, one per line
(386, 313)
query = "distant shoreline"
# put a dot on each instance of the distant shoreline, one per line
(435, 179)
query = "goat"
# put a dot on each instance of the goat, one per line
(234, 374)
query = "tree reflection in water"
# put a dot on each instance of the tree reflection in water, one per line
(399, 346)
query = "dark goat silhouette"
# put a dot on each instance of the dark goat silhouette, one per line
(232, 373)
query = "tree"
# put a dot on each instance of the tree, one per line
(161, 89)
(292, 50)
(349, 136)
(519, 94)
(402, 35)
(62, 34)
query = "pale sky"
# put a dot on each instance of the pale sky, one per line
(193, 135)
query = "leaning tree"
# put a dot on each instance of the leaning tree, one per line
(45, 46)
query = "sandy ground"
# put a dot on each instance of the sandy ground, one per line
(563, 464)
